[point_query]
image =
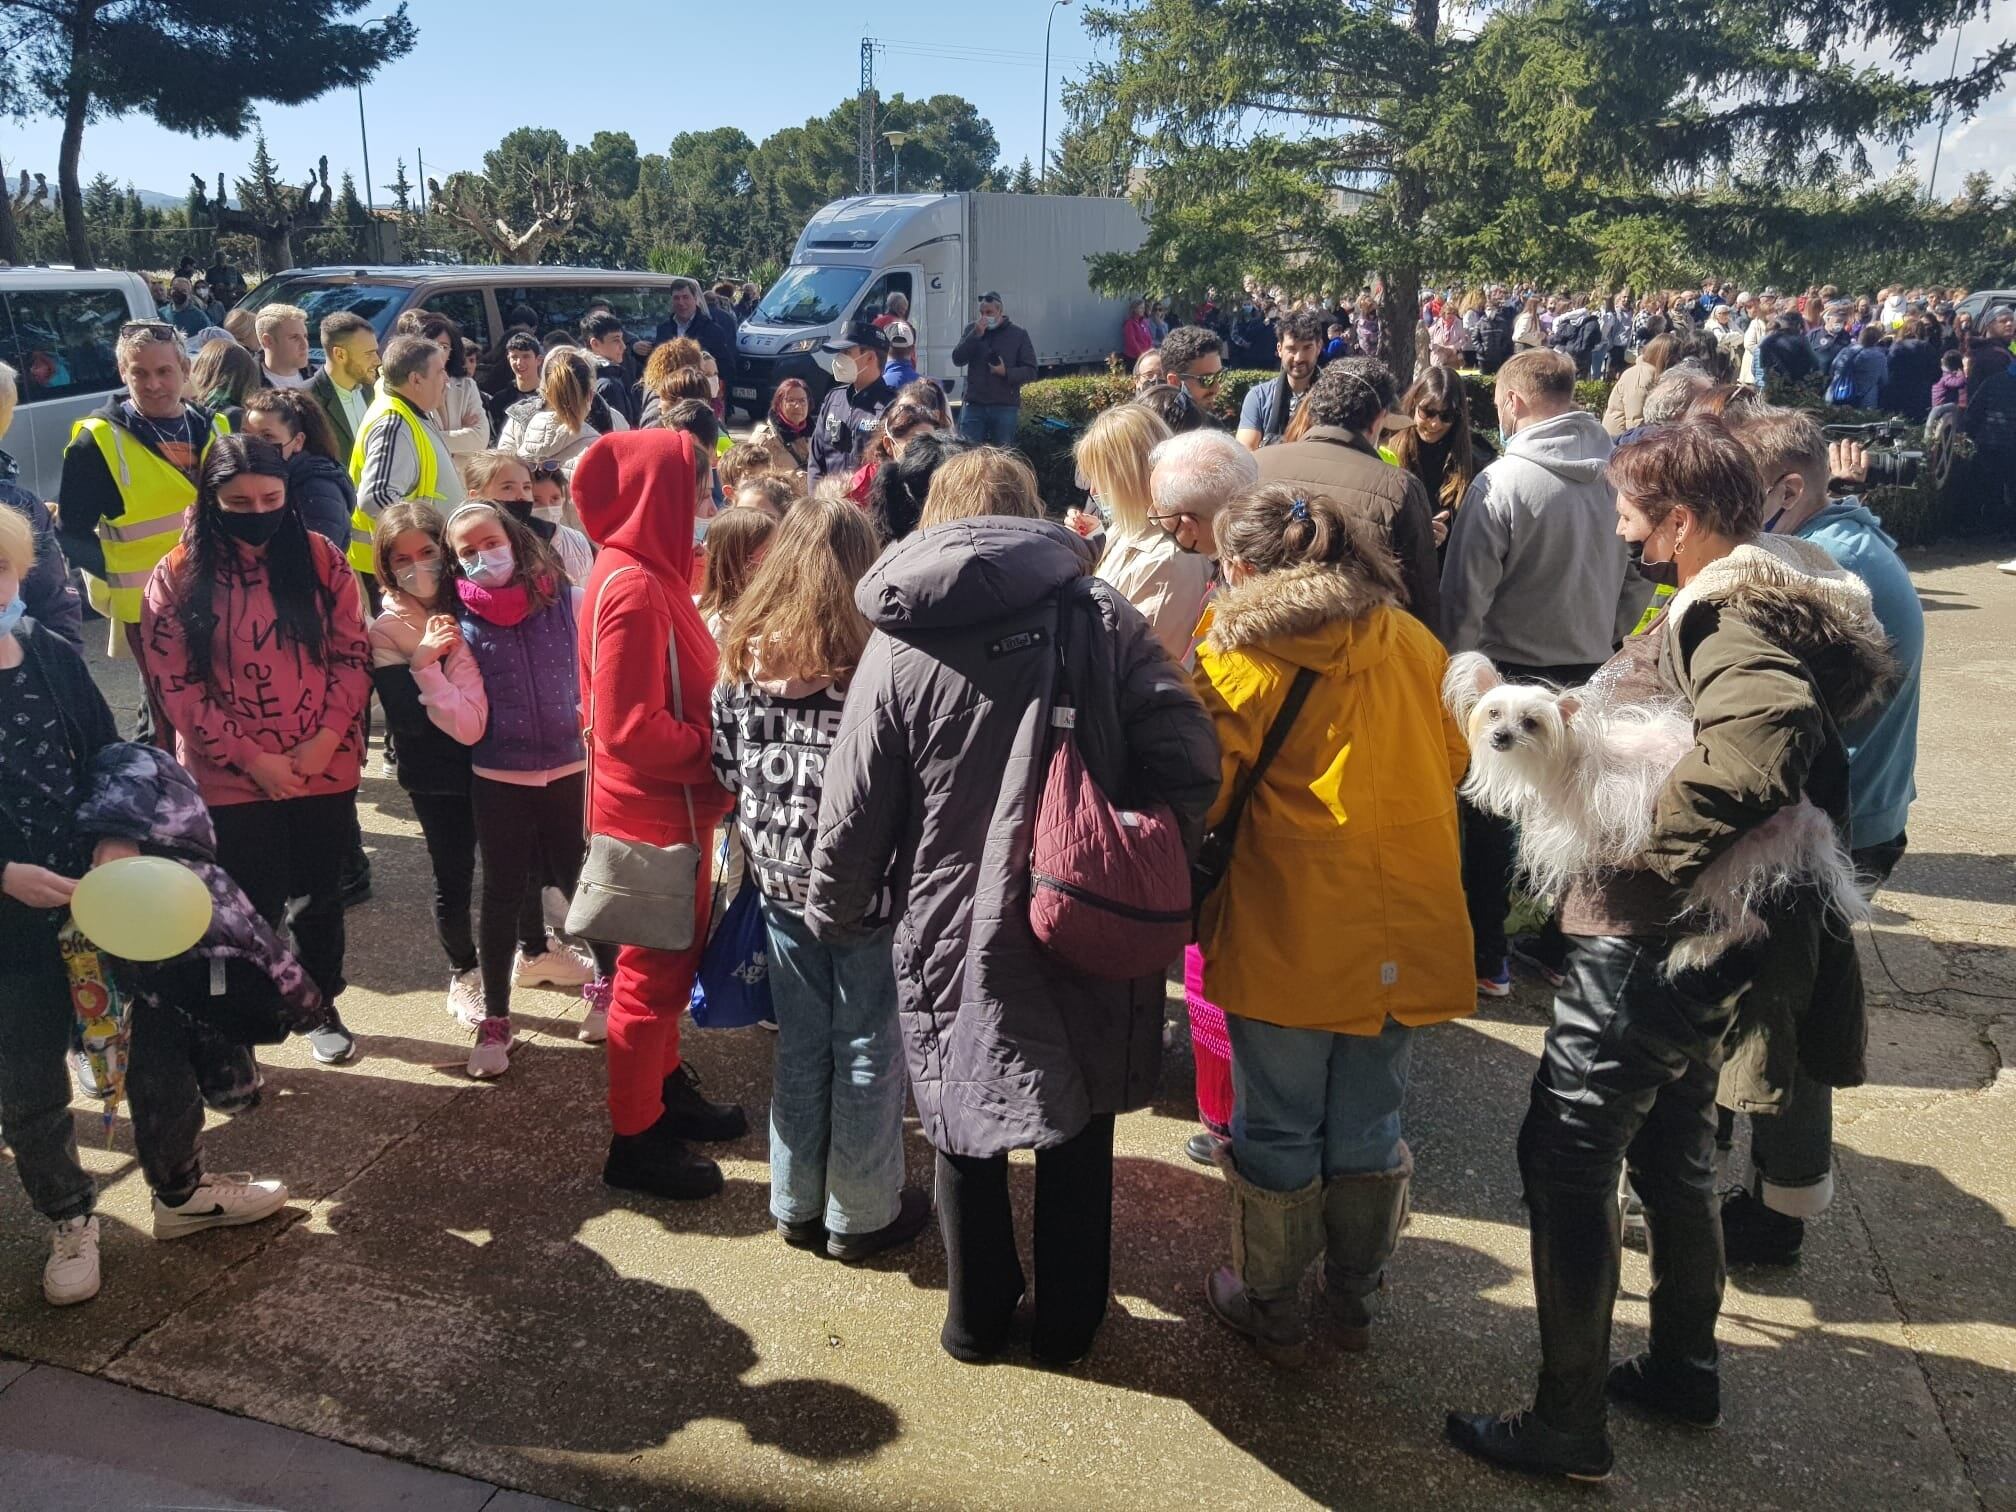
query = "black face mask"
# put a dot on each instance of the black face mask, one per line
(1660, 574)
(252, 529)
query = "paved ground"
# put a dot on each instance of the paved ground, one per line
(453, 1286)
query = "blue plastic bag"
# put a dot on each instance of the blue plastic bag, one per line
(732, 987)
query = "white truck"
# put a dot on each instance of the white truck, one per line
(942, 252)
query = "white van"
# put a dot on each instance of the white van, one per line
(59, 329)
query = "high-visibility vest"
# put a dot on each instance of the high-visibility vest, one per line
(156, 496)
(389, 409)
(1661, 597)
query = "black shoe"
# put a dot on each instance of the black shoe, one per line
(809, 1235)
(356, 882)
(691, 1116)
(1754, 1235)
(1528, 951)
(1520, 1441)
(660, 1164)
(1204, 1145)
(913, 1211)
(1690, 1397)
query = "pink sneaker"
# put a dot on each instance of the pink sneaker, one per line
(492, 1055)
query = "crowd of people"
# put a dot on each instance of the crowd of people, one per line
(863, 646)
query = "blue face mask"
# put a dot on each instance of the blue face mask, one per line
(11, 614)
(488, 569)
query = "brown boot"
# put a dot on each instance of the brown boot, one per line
(1362, 1219)
(1274, 1237)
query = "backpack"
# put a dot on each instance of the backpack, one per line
(1842, 389)
(1109, 888)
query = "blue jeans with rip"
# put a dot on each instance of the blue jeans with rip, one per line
(836, 1106)
(1309, 1104)
(993, 424)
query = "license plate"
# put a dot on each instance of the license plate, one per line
(742, 393)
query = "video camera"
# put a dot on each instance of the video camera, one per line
(1896, 451)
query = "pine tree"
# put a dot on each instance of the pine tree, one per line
(262, 191)
(1024, 181)
(401, 190)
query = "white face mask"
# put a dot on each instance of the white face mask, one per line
(550, 513)
(713, 387)
(845, 369)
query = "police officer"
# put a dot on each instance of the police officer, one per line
(847, 418)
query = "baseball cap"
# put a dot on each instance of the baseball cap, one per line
(899, 334)
(859, 333)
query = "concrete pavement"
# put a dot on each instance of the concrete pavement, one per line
(453, 1286)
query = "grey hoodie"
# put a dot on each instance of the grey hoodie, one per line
(1535, 574)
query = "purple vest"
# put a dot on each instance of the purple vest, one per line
(529, 673)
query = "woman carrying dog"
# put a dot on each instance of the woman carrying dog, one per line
(1772, 648)
(1339, 928)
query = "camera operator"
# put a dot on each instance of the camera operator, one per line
(1989, 421)
(1812, 490)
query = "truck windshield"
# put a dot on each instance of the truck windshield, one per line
(809, 295)
(379, 303)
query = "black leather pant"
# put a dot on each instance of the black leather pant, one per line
(1627, 1077)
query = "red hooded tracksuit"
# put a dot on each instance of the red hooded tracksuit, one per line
(635, 492)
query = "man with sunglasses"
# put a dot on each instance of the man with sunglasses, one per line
(1193, 359)
(129, 477)
(1270, 406)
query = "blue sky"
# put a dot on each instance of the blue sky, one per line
(482, 67)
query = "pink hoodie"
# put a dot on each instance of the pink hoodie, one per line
(451, 687)
(264, 693)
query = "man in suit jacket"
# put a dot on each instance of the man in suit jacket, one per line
(349, 368)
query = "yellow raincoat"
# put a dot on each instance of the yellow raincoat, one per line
(1343, 904)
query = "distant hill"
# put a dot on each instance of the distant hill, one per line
(152, 199)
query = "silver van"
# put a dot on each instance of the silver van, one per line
(59, 329)
(483, 301)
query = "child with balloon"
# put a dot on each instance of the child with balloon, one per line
(255, 645)
(54, 728)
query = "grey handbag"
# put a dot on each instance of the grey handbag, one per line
(631, 893)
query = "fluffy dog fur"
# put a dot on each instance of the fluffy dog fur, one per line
(1580, 780)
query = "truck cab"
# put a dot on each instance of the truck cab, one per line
(849, 259)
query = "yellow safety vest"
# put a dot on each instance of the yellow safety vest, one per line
(156, 497)
(389, 408)
(1661, 597)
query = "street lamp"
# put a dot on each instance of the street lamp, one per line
(370, 204)
(1043, 151)
(896, 139)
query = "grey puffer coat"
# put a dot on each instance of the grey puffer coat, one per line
(932, 787)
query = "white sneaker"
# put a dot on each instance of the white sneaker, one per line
(220, 1202)
(71, 1276)
(557, 965)
(492, 1055)
(465, 998)
(595, 1019)
(87, 1078)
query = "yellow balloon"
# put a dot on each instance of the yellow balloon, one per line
(142, 908)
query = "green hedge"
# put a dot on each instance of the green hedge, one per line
(1055, 412)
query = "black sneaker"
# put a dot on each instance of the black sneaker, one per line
(809, 1235)
(1520, 1441)
(1204, 1145)
(333, 1043)
(1690, 1397)
(1528, 952)
(1754, 1235)
(913, 1211)
(691, 1116)
(659, 1163)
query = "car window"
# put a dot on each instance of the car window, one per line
(467, 308)
(379, 303)
(876, 300)
(64, 341)
(559, 307)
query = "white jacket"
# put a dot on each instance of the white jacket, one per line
(542, 436)
(463, 421)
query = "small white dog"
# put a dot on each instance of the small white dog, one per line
(1581, 779)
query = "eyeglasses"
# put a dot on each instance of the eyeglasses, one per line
(547, 469)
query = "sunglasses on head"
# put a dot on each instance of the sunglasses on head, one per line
(545, 470)
(156, 330)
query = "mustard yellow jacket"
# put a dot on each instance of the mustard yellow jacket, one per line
(1343, 903)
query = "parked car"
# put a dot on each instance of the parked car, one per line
(483, 301)
(1981, 301)
(59, 329)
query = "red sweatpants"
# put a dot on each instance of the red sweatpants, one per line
(649, 996)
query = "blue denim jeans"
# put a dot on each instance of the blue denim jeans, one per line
(993, 424)
(836, 1105)
(1308, 1104)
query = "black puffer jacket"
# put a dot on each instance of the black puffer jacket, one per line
(932, 787)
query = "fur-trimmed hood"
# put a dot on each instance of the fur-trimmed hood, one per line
(1301, 614)
(1793, 593)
